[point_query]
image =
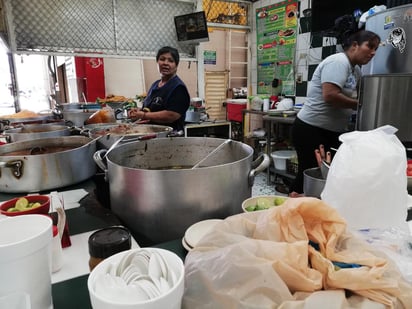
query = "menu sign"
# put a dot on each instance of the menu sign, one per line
(276, 32)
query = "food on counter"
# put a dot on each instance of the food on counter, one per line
(23, 204)
(22, 114)
(266, 203)
(111, 98)
(104, 115)
(125, 129)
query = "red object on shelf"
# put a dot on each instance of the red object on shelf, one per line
(234, 109)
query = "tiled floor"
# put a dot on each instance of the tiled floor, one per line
(260, 186)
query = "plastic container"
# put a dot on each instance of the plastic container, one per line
(25, 258)
(234, 109)
(266, 105)
(57, 252)
(107, 242)
(279, 158)
(172, 299)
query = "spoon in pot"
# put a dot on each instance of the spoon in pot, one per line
(114, 145)
(212, 152)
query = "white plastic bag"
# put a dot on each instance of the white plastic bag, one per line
(367, 180)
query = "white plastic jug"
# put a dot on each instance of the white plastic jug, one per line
(25, 258)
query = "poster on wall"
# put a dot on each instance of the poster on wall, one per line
(209, 57)
(276, 30)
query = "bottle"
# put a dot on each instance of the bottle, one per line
(265, 105)
(106, 242)
(57, 252)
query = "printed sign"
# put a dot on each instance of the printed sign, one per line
(276, 32)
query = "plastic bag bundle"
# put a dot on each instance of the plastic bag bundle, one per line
(367, 180)
(295, 256)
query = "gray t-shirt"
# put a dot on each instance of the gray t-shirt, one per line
(335, 69)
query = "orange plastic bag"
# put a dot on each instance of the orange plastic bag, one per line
(283, 258)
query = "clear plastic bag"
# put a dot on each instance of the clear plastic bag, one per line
(367, 180)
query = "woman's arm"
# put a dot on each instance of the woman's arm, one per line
(333, 96)
(159, 117)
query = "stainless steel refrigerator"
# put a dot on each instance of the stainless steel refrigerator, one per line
(386, 86)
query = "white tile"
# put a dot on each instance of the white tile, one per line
(315, 55)
(303, 42)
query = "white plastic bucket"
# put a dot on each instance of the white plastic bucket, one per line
(279, 158)
(25, 258)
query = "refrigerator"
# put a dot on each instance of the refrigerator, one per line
(385, 93)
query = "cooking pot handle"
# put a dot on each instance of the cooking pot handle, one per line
(264, 164)
(6, 137)
(98, 157)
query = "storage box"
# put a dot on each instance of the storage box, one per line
(234, 109)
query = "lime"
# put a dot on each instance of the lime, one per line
(12, 209)
(251, 208)
(34, 205)
(21, 203)
(262, 204)
(279, 200)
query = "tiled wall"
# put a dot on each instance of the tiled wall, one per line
(310, 49)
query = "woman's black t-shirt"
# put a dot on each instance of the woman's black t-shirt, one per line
(173, 96)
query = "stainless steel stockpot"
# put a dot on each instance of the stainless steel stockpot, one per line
(157, 194)
(35, 131)
(47, 163)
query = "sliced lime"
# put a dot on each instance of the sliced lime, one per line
(34, 205)
(21, 203)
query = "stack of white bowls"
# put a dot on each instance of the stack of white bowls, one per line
(138, 278)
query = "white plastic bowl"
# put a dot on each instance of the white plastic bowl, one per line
(171, 299)
(279, 158)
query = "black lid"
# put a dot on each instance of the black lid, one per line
(108, 241)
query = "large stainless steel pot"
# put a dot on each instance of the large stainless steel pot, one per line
(110, 133)
(47, 163)
(35, 131)
(6, 121)
(156, 193)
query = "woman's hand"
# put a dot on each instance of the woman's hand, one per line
(135, 113)
(321, 155)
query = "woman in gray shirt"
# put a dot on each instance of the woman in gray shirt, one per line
(331, 99)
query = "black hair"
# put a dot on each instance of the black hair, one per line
(167, 49)
(347, 31)
(362, 36)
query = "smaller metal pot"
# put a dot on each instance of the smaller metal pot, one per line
(77, 117)
(107, 135)
(313, 182)
(35, 131)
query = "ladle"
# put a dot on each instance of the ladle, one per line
(114, 145)
(212, 152)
